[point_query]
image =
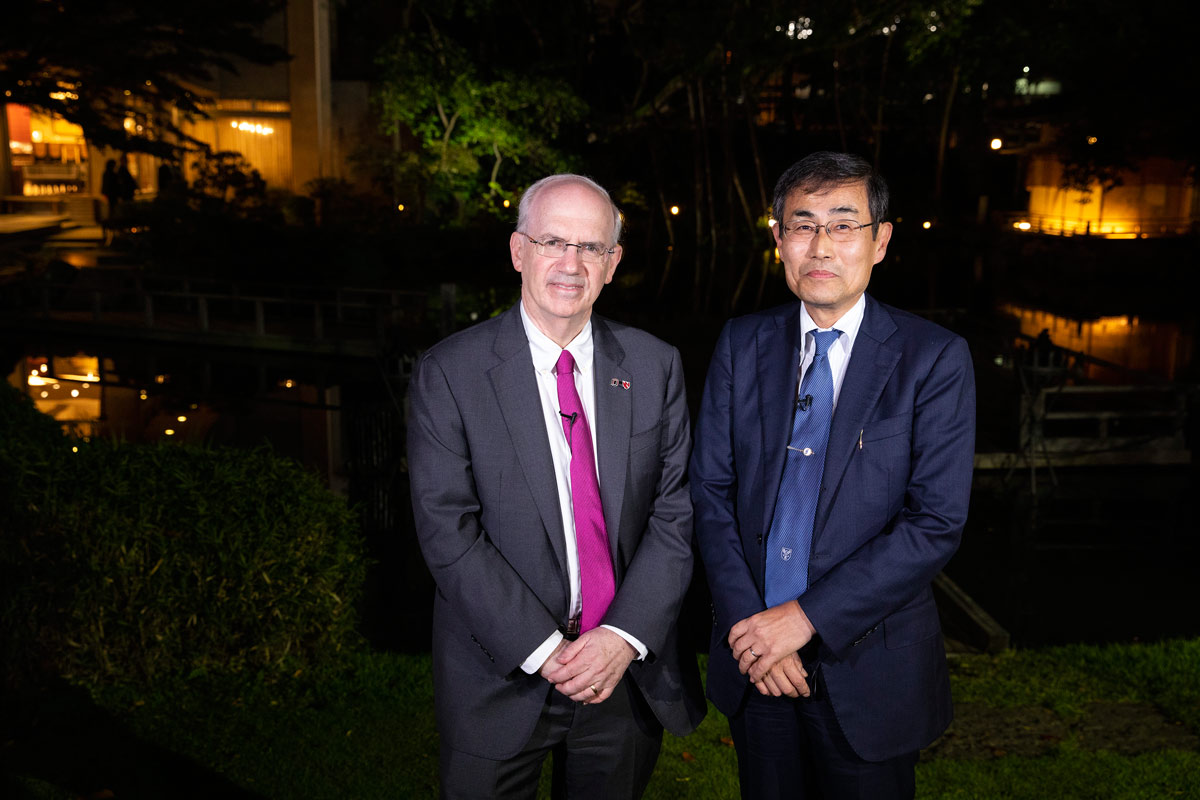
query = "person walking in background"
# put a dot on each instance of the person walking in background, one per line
(126, 186)
(830, 475)
(108, 186)
(548, 458)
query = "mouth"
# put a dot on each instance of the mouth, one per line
(820, 274)
(565, 285)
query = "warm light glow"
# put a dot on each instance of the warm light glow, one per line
(926, 224)
(252, 127)
(506, 204)
(160, 378)
(74, 393)
(36, 135)
(1022, 225)
(400, 207)
(142, 395)
(129, 124)
(997, 144)
(74, 449)
(288, 383)
(1092, 140)
(674, 210)
(45, 395)
(169, 431)
(43, 368)
(181, 418)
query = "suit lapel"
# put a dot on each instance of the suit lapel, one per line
(872, 363)
(614, 418)
(516, 388)
(778, 358)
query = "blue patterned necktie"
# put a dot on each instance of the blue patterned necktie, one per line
(790, 538)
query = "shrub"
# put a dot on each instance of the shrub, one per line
(124, 564)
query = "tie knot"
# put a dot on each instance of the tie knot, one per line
(565, 365)
(823, 340)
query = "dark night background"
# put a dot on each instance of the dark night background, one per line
(687, 112)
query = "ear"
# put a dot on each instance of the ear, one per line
(613, 260)
(777, 232)
(881, 241)
(516, 248)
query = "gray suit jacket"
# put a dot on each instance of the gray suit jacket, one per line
(490, 527)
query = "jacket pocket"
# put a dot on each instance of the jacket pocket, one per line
(914, 623)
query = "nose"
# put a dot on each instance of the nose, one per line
(821, 246)
(573, 258)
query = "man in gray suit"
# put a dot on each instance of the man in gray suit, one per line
(548, 456)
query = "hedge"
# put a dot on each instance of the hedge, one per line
(122, 564)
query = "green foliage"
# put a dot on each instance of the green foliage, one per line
(469, 121)
(127, 564)
(1166, 674)
(1068, 775)
(368, 731)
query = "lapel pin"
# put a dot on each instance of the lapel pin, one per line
(624, 384)
(615, 382)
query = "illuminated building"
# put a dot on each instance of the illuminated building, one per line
(280, 117)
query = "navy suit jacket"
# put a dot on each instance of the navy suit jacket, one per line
(490, 527)
(891, 512)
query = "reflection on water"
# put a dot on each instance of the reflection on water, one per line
(67, 389)
(1162, 348)
(139, 397)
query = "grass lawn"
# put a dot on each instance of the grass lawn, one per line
(1070, 722)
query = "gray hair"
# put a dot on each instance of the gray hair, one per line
(825, 170)
(530, 196)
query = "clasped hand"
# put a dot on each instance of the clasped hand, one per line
(766, 644)
(588, 669)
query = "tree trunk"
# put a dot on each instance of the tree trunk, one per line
(697, 197)
(887, 49)
(710, 233)
(6, 156)
(944, 133)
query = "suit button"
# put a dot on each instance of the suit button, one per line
(760, 538)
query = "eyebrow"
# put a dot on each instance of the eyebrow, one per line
(546, 236)
(804, 212)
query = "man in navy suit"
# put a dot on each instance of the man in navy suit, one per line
(830, 476)
(548, 458)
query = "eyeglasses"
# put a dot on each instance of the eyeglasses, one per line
(590, 252)
(839, 230)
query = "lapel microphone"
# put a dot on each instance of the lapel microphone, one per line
(571, 416)
(804, 403)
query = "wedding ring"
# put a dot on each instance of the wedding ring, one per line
(595, 691)
(753, 653)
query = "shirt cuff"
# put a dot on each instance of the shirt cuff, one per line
(641, 648)
(533, 664)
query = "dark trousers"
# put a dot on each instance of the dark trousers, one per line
(601, 751)
(796, 749)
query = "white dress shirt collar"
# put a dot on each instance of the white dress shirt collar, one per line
(546, 352)
(848, 324)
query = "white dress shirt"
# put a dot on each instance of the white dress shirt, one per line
(839, 351)
(545, 357)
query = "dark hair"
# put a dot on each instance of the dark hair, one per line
(826, 170)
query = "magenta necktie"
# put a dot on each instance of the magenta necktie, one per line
(596, 584)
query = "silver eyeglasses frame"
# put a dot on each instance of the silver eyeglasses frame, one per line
(839, 230)
(591, 252)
